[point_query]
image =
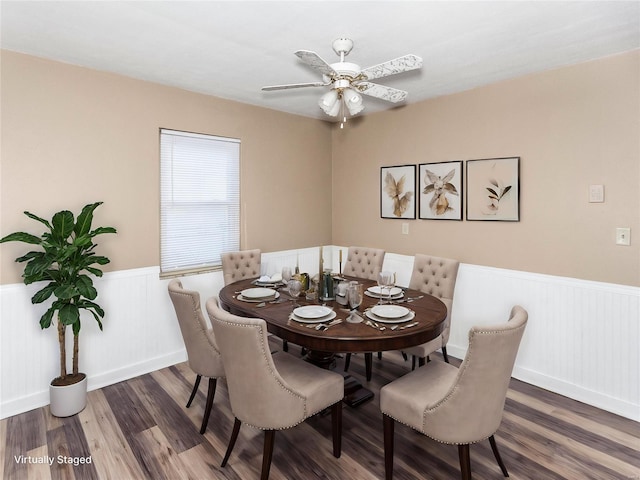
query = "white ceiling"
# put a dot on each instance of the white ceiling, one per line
(230, 49)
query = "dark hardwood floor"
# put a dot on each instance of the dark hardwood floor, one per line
(140, 429)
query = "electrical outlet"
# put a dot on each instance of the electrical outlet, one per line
(405, 229)
(623, 236)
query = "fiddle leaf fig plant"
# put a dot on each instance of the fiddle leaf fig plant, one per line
(67, 261)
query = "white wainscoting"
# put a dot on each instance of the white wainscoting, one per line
(582, 338)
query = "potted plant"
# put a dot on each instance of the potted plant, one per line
(66, 261)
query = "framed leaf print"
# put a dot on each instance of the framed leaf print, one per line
(440, 191)
(493, 189)
(398, 192)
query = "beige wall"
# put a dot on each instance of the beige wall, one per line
(572, 127)
(71, 136)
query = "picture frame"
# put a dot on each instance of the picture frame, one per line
(493, 189)
(398, 192)
(440, 190)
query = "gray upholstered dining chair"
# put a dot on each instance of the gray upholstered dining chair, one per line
(363, 262)
(271, 391)
(458, 406)
(202, 351)
(240, 265)
(435, 276)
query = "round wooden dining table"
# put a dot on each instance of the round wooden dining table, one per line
(345, 337)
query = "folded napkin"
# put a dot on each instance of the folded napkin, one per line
(275, 278)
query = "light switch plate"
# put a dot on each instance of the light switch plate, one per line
(405, 229)
(596, 193)
(623, 236)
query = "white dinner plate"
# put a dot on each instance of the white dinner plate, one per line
(258, 300)
(374, 295)
(312, 311)
(409, 316)
(384, 291)
(327, 318)
(255, 293)
(390, 311)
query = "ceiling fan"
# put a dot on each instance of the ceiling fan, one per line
(348, 80)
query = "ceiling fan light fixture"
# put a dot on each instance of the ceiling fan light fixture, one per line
(329, 103)
(353, 101)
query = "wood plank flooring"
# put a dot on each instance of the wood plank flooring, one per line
(140, 429)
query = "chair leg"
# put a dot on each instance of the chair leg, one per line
(368, 365)
(404, 355)
(465, 461)
(422, 361)
(336, 428)
(413, 362)
(207, 409)
(387, 427)
(195, 390)
(496, 454)
(267, 453)
(379, 355)
(232, 441)
(285, 346)
(347, 361)
(444, 354)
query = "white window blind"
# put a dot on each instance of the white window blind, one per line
(200, 200)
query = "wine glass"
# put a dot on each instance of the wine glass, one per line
(391, 282)
(286, 275)
(295, 287)
(355, 295)
(383, 281)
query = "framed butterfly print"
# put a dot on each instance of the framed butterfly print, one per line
(440, 191)
(398, 192)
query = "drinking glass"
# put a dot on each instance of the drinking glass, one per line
(355, 295)
(385, 280)
(286, 275)
(295, 287)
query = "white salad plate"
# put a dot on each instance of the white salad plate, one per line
(326, 318)
(409, 316)
(312, 311)
(389, 311)
(258, 300)
(384, 291)
(255, 293)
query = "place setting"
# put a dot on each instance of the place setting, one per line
(319, 317)
(382, 317)
(258, 295)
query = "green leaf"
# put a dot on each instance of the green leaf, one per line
(83, 224)
(85, 287)
(29, 256)
(45, 320)
(37, 266)
(22, 237)
(76, 328)
(65, 292)
(38, 219)
(101, 230)
(88, 305)
(43, 294)
(96, 271)
(101, 260)
(97, 318)
(69, 314)
(62, 225)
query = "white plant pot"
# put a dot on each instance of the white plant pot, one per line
(69, 399)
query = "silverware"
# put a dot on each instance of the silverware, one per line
(374, 325)
(324, 326)
(408, 326)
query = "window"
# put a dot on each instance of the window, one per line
(200, 200)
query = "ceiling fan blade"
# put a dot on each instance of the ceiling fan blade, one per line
(294, 85)
(397, 65)
(380, 91)
(313, 60)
